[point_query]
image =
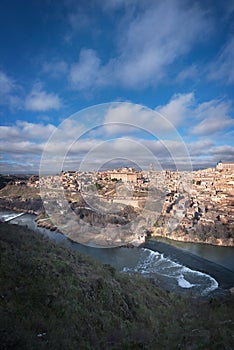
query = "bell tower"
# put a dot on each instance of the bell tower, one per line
(219, 166)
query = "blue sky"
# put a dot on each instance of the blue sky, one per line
(59, 57)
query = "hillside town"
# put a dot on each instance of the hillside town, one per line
(198, 206)
(204, 212)
(195, 206)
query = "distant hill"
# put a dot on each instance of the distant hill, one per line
(54, 298)
(7, 179)
(20, 198)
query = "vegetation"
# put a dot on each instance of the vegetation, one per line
(116, 180)
(99, 186)
(53, 298)
(10, 179)
(15, 191)
(20, 198)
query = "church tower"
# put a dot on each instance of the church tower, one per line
(219, 166)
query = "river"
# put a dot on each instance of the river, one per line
(162, 265)
(220, 255)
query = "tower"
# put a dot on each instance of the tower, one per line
(219, 165)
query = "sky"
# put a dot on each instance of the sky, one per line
(116, 82)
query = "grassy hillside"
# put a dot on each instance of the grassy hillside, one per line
(53, 298)
(15, 191)
(7, 179)
(20, 198)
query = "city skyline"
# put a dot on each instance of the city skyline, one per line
(174, 58)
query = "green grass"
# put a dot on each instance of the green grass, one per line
(81, 304)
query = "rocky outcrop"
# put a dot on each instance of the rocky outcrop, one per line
(183, 235)
(21, 198)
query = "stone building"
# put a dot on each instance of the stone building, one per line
(225, 166)
(125, 175)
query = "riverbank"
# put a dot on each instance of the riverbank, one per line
(191, 236)
(178, 279)
(222, 275)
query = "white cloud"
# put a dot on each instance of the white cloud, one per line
(214, 116)
(200, 148)
(191, 72)
(127, 118)
(223, 151)
(149, 138)
(131, 118)
(223, 67)
(148, 42)
(23, 130)
(77, 148)
(120, 148)
(178, 108)
(139, 151)
(40, 100)
(9, 132)
(21, 147)
(209, 117)
(35, 131)
(156, 38)
(88, 72)
(210, 126)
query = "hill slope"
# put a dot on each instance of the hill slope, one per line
(20, 198)
(53, 298)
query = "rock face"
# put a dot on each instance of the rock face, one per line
(94, 218)
(82, 224)
(206, 235)
(20, 198)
